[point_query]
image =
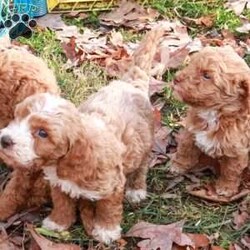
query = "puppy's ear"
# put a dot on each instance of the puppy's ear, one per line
(242, 86)
(77, 157)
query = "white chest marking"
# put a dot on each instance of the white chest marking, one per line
(202, 139)
(69, 187)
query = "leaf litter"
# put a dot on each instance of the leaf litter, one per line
(237, 5)
(167, 237)
(46, 244)
(129, 14)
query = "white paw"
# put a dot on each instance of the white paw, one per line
(51, 225)
(106, 235)
(136, 195)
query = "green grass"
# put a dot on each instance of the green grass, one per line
(199, 8)
(78, 83)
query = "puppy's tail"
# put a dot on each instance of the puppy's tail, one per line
(142, 59)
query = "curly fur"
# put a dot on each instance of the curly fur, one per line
(88, 153)
(216, 86)
(21, 75)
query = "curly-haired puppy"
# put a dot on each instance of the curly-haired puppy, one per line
(216, 86)
(21, 75)
(89, 154)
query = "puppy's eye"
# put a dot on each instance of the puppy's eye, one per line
(206, 76)
(42, 133)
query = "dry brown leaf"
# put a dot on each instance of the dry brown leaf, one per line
(6, 243)
(237, 5)
(234, 246)
(245, 28)
(46, 244)
(116, 38)
(53, 22)
(242, 216)
(200, 241)
(156, 86)
(177, 57)
(70, 50)
(159, 237)
(160, 140)
(129, 14)
(175, 181)
(76, 14)
(246, 241)
(207, 21)
(207, 192)
(240, 219)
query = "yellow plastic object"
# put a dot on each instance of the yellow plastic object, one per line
(83, 5)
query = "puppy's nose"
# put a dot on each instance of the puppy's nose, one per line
(6, 141)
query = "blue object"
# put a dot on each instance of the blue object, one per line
(4, 11)
(34, 8)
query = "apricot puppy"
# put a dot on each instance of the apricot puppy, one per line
(89, 154)
(21, 75)
(215, 85)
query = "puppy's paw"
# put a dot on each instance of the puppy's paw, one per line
(225, 190)
(176, 169)
(176, 165)
(52, 225)
(136, 195)
(106, 235)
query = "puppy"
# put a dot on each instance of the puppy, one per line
(22, 74)
(89, 154)
(215, 85)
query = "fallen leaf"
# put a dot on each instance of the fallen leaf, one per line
(246, 241)
(156, 86)
(116, 38)
(157, 159)
(207, 21)
(72, 52)
(52, 21)
(77, 14)
(46, 244)
(160, 140)
(237, 5)
(245, 28)
(207, 192)
(159, 236)
(129, 14)
(27, 216)
(177, 57)
(6, 243)
(199, 240)
(175, 181)
(235, 247)
(242, 216)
